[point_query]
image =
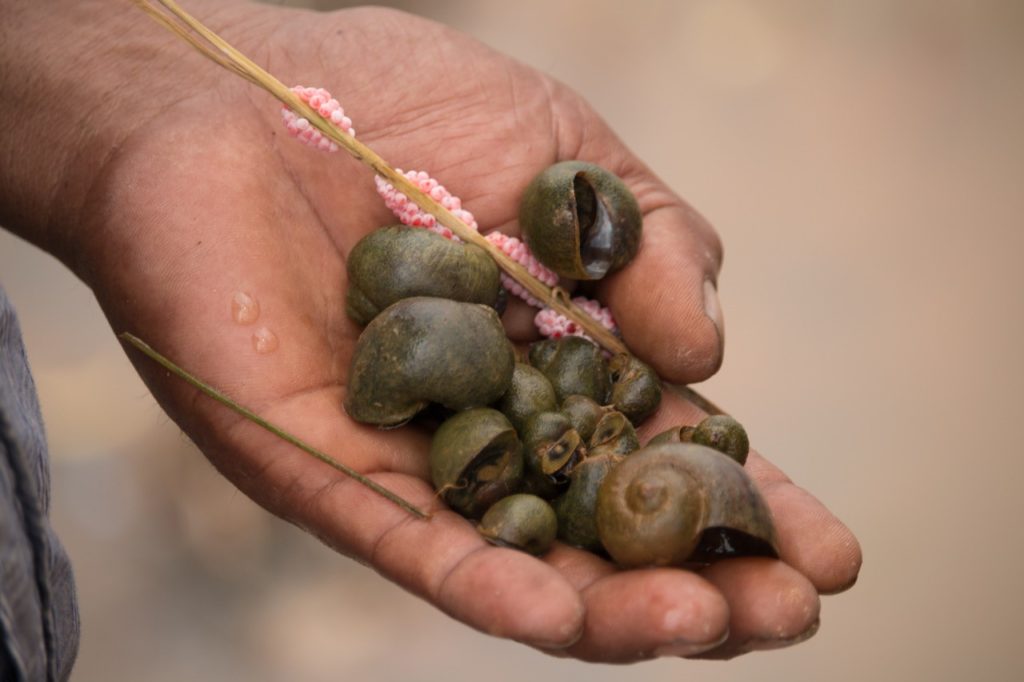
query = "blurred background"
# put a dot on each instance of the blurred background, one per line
(864, 164)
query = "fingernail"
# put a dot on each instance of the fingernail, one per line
(682, 647)
(781, 642)
(712, 307)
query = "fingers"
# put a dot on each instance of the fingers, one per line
(671, 280)
(641, 614)
(771, 605)
(499, 591)
(810, 538)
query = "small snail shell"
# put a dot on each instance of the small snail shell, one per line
(584, 414)
(676, 434)
(580, 220)
(614, 434)
(576, 508)
(655, 507)
(529, 393)
(551, 449)
(725, 434)
(573, 365)
(475, 460)
(520, 521)
(398, 262)
(636, 389)
(421, 350)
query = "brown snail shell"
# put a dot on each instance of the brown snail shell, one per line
(574, 366)
(398, 262)
(521, 521)
(725, 434)
(421, 350)
(657, 505)
(576, 508)
(636, 388)
(529, 393)
(580, 220)
(475, 460)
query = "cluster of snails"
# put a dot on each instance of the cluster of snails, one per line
(546, 448)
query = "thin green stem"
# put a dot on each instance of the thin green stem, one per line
(225, 400)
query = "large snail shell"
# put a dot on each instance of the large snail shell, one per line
(475, 460)
(580, 220)
(423, 350)
(398, 262)
(657, 505)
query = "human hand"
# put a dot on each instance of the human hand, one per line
(203, 204)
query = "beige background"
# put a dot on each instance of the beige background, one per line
(864, 163)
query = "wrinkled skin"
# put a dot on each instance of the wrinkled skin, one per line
(169, 193)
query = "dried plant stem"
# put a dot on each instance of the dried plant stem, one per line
(276, 430)
(219, 51)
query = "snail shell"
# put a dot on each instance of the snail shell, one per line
(551, 449)
(398, 262)
(636, 389)
(574, 366)
(614, 434)
(580, 220)
(421, 350)
(725, 434)
(576, 508)
(529, 393)
(475, 460)
(584, 414)
(656, 506)
(521, 521)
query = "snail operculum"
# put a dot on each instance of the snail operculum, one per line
(580, 220)
(396, 262)
(475, 460)
(614, 434)
(551, 449)
(520, 521)
(421, 350)
(657, 506)
(574, 366)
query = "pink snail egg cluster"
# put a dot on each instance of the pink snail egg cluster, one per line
(325, 105)
(549, 322)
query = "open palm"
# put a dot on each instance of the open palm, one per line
(222, 242)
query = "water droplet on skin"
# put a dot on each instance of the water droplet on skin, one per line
(245, 309)
(264, 340)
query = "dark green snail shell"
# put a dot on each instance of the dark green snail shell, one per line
(521, 521)
(574, 366)
(576, 508)
(584, 414)
(551, 449)
(725, 434)
(475, 460)
(636, 388)
(398, 262)
(529, 393)
(580, 220)
(422, 350)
